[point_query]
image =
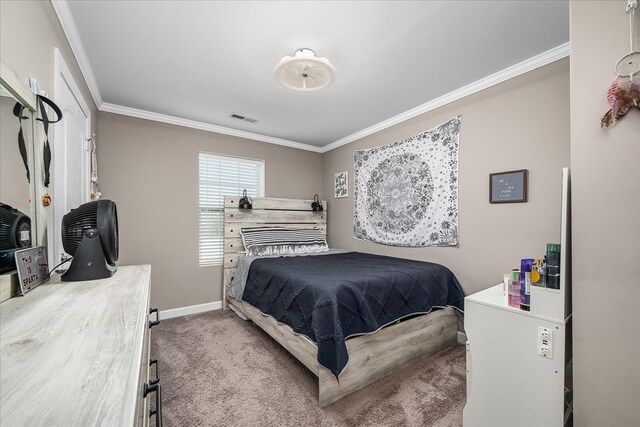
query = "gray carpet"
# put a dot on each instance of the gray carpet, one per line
(218, 370)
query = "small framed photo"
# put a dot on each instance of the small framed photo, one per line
(341, 185)
(508, 187)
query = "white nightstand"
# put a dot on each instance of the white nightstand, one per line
(508, 382)
(519, 370)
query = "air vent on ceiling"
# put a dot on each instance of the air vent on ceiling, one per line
(243, 118)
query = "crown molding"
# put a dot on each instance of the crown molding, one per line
(67, 22)
(178, 121)
(65, 17)
(501, 76)
(516, 70)
(63, 12)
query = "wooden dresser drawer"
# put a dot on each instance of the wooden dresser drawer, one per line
(149, 380)
(77, 353)
(142, 404)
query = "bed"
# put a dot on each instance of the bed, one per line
(403, 340)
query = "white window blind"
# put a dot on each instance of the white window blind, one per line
(221, 176)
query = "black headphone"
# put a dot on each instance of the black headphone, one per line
(316, 206)
(18, 110)
(245, 202)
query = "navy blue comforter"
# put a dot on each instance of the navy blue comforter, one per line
(329, 298)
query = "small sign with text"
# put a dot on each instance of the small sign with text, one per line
(33, 268)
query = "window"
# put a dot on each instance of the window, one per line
(221, 176)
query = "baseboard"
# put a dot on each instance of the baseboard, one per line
(192, 309)
(462, 338)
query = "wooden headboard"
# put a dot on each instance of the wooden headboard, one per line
(266, 211)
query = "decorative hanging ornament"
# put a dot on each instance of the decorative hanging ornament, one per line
(46, 199)
(623, 95)
(629, 65)
(624, 92)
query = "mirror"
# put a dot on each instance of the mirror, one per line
(17, 207)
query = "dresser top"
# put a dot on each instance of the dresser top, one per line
(70, 352)
(493, 297)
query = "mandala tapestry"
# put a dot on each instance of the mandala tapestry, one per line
(406, 193)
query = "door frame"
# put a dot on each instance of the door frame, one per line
(63, 76)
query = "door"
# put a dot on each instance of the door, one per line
(71, 154)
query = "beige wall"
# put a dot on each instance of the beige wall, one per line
(606, 223)
(29, 32)
(520, 124)
(150, 170)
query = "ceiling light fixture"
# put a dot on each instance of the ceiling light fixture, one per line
(304, 71)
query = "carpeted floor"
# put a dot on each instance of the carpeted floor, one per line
(218, 370)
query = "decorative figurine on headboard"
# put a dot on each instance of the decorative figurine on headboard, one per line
(624, 93)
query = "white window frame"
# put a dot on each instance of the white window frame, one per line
(208, 224)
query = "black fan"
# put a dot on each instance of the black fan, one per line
(15, 234)
(90, 234)
(15, 228)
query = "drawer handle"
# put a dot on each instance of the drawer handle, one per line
(154, 322)
(155, 388)
(157, 380)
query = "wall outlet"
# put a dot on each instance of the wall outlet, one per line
(545, 342)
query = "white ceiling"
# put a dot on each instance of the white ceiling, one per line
(203, 61)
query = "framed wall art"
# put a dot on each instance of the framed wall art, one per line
(508, 187)
(341, 185)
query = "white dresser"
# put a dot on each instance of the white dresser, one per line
(77, 353)
(508, 382)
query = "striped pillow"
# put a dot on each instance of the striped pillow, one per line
(283, 240)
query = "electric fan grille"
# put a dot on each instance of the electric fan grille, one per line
(12, 224)
(100, 215)
(75, 223)
(6, 219)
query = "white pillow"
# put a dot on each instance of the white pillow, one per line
(283, 240)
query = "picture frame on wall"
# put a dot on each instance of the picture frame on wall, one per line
(508, 187)
(341, 185)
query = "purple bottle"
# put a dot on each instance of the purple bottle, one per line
(525, 283)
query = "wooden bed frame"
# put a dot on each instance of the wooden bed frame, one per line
(372, 356)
